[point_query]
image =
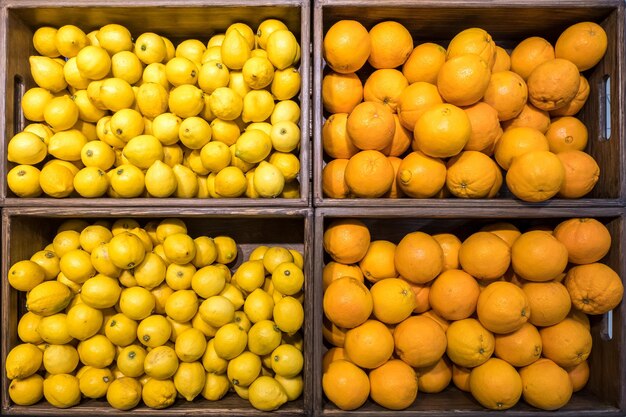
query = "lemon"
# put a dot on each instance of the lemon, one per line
(127, 66)
(121, 330)
(47, 73)
(83, 321)
(102, 263)
(286, 83)
(179, 248)
(211, 361)
(244, 369)
(114, 38)
(217, 311)
(212, 53)
(269, 181)
(285, 111)
(186, 100)
(97, 154)
(136, 303)
(124, 393)
(194, 132)
(226, 251)
(287, 361)
(123, 225)
(43, 41)
(158, 394)
(27, 391)
(190, 345)
(213, 74)
(91, 182)
(287, 278)
(144, 236)
(189, 379)
(65, 241)
(165, 127)
(178, 277)
(70, 39)
(154, 331)
(288, 314)
(105, 134)
(258, 72)
(225, 131)
(25, 275)
(88, 129)
(150, 273)
(191, 49)
(161, 362)
(127, 180)
(93, 62)
(235, 50)
(87, 111)
(238, 84)
(257, 106)
(126, 250)
(126, 124)
(143, 150)
(152, 99)
(170, 226)
(293, 386)
(160, 180)
(67, 145)
(287, 163)
(73, 77)
(266, 28)
(76, 266)
(285, 136)
(93, 92)
(62, 390)
(266, 394)
(215, 40)
(225, 103)
(263, 337)
(253, 146)
(206, 281)
(215, 156)
(48, 298)
(170, 51)
(258, 53)
(258, 306)
(215, 387)
(116, 94)
(262, 126)
(155, 73)
(130, 360)
(177, 329)
(250, 275)
(230, 182)
(180, 70)
(56, 180)
(206, 251)
(101, 291)
(41, 130)
(97, 351)
(27, 328)
(182, 305)
(199, 324)
(230, 341)
(34, 102)
(94, 382)
(23, 361)
(173, 155)
(26, 148)
(150, 48)
(282, 48)
(244, 30)
(60, 359)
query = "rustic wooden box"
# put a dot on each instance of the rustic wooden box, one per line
(177, 20)
(508, 22)
(605, 393)
(27, 230)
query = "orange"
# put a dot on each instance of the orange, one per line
(547, 386)
(333, 354)
(454, 294)
(507, 93)
(335, 139)
(530, 116)
(385, 86)
(503, 60)
(347, 302)
(485, 256)
(369, 174)
(421, 292)
(463, 79)
(567, 343)
(566, 133)
(496, 385)
(347, 46)
(369, 345)
(394, 300)
(424, 63)
(346, 385)
(486, 129)
(503, 307)
(518, 141)
(378, 261)
(450, 244)
(437, 319)
(471, 174)
(393, 385)
(538, 256)
(530, 53)
(553, 84)
(335, 270)
(442, 131)
(333, 179)
(580, 317)
(401, 141)
(341, 92)
(419, 341)
(577, 103)
(586, 240)
(333, 334)
(535, 176)
(415, 100)
(418, 257)
(583, 43)
(579, 375)
(461, 377)
(346, 241)
(391, 45)
(549, 302)
(504, 230)
(594, 288)
(394, 191)
(581, 174)
(521, 347)
(473, 41)
(435, 378)
(371, 126)
(469, 343)
(421, 176)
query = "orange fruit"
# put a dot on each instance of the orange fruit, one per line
(333, 354)
(566, 133)
(442, 131)
(347, 46)
(391, 45)
(503, 307)
(520, 347)
(346, 385)
(394, 191)
(435, 378)
(378, 261)
(529, 54)
(549, 302)
(450, 244)
(424, 63)
(393, 385)
(437, 319)
(580, 317)
(347, 302)
(454, 294)
(385, 86)
(530, 116)
(420, 176)
(335, 139)
(341, 92)
(547, 386)
(485, 256)
(463, 79)
(469, 343)
(503, 60)
(577, 103)
(461, 377)
(335, 270)
(486, 129)
(401, 141)
(579, 375)
(586, 240)
(346, 241)
(567, 343)
(394, 300)
(496, 384)
(583, 43)
(471, 174)
(369, 174)
(581, 174)
(421, 292)
(334, 335)
(535, 176)
(473, 41)
(594, 288)
(419, 341)
(553, 84)
(369, 345)
(507, 93)
(418, 257)
(333, 179)
(504, 230)
(415, 100)
(538, 256)
(371, 126)
(518, 141)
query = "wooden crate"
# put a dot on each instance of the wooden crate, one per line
(27, 230)
(177, 20)
(605, 393)
(508, 22)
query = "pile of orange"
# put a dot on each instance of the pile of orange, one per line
(427, 121)
(501, 314)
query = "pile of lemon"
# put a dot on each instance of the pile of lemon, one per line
(146, 119)
(132, 314)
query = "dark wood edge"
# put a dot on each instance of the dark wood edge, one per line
(4, 53)
(305, 103)
(143, 3)
(470, 3)
(156, 202)
(318, 39)
(621, 57)
(128, 211)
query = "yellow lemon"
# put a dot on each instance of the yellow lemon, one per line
(62, 390)
(258, 53)
(287, 361)
(93, 62)
(298, 259)
(217, 311)
(56, 180)
(65, 241)
(206, 251)
(127, 180)
(293, 386)
(211, 361)
(257, 106)
(191, 49)
(76, 266)
(41, 130)
(155, 73)
(126, 124)
(152, 99)
(244, 30)
(258, 72)
(258, 253)
(150, 48)
(160, 180)
(23, 361)
(182, 305)
(43, 41)
(208, 281)
(215, 40)
(124, 393)
(186, 100)
(83, 321)
(288, 315)
(225, 131)
(93, 92)
(67, 145)
(158, 394)
(170, 226)
(97, 154)
(194, 132)
(127, 66)
(215, 156)
(101, 291)
(27, 391)
(114, 38)
(258, 306)
(126, 250)
(187, 185)
(226, 250)
(34, 102)
(225, 103)
(189, 379)
(180, 70)
(86, 128)
(285, 110)
(253, 146)
(216, 386)
(27, 328)
(48, 298)
(212, 75)
(91, 182)
(93, 236)
(250, 275)
(69, 40)
(266, 28)
(230, 182)
(116, 94)
(268, 180)
(60, 359)
(105, 134)
(161, 362)
(170, 51)
(190, 345)
(102, 263)
(97, 351)
(87, 111)
(136, 303)
(212, 53)
(150, 273)
(130, 360)
(230, 341)
(25, 275)
(73, 77)
(285, 136)
(275, 256)
(47, 73)
(143, 150)
(26, 148)
(287, 278)
(244, 369)
(287, 163)
(61, 113)
(263, 337)
(154, 331)
(94, 382)
(286, 83)
(121, 330)
(165, 128)
(235, 50)
(238, 84)
(123, 225)
(266, 394)
(179, 277)
(282, 48)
